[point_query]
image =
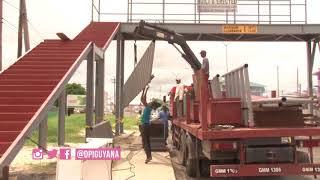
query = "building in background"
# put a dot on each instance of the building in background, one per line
(257, 89)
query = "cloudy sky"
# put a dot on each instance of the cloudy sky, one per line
(47, 17)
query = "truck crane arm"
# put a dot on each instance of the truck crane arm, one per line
(153, 32)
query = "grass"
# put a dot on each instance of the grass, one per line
(75, 127)
(129, 122)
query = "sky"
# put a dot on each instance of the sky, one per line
(47, 17)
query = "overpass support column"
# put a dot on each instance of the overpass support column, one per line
(311, 49)
(122, 83)
(62, 118)
(119, 84)
(99, 98)
(43, 132)
(90, 93)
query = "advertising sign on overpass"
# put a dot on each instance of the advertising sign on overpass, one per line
(217, 5)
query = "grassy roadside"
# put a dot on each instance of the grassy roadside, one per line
(75, 127)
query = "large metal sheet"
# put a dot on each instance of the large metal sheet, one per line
(140, 76)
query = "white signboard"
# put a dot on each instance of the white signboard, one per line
(76, 100)
(217, 5)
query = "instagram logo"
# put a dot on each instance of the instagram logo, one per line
(65, 154)
(37, 154)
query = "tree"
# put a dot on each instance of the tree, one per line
(75, 89)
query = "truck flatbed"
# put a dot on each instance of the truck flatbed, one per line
(242, 133)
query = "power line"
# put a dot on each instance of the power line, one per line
(10, 4)
(15, 28)
(35, 29)
(10, 27)
(11, 24)
(32, 26)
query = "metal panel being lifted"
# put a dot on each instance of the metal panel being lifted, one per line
(140, 76)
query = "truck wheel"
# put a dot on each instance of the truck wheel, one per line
(191, 161)
(303, 157)
(173, 136)
(181, 153)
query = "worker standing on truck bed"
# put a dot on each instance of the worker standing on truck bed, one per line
(145, 123)
(205, 62)
(179, 97)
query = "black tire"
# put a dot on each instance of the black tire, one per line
(182, 149)
(205, 168)
(173, 134)
(303, 157)
(191, 161)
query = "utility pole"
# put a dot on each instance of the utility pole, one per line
(278, 91)
(113, 80)
(297, 80)
(226, 55)
(1, 7)
(23, 31)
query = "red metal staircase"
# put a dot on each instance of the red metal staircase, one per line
(31, 85)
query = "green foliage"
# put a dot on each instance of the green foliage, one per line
(74, 129)
(75, 89)
(82, 100)
(129, 122)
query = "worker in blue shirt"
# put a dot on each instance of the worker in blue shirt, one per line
(164, 116)
(145, 123)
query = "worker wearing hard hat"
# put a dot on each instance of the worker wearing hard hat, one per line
(205, 62)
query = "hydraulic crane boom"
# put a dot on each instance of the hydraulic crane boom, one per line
(158, 33)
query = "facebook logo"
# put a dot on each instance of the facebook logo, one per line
(65, 154)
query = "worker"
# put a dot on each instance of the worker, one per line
(179, 97)
(172, 94)
(164, 116)
(205, 62)
(145, 123)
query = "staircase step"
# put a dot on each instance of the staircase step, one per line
(18, 108)
(16, 116)
(26, 88)
(4, 146)
(12, 125)
(21, 100)
(29, 82)
(56, 67)
(24, 93)
(45, 62)
(60, 53)
(32, 76)
(34, 71)
(8, 136)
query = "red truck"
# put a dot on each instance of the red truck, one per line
(222, 135)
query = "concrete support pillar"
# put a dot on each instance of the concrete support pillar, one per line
(5, 173)
(99, 98)
(62, 116)
(43, 132)
(118, 87)
(90, 93)
(121, 82)
(310, 60)
(23, 28)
